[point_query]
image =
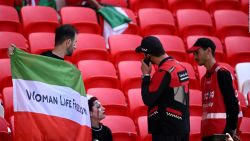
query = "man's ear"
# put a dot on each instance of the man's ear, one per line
(68, 42)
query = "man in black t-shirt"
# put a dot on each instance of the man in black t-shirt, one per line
(65, 42)
(100, 132)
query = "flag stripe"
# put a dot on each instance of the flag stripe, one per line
(39, 97)
(28, 66)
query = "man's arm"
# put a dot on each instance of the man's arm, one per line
(231, 102)
(152, 90)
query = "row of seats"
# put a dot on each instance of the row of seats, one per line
(150, 21)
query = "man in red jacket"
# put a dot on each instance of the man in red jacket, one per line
(219, 97)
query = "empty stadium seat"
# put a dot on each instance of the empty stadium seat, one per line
(40, 42)
(9, 20)
(84, 19)
(174, 46)
(245, 129)
(219, 53)
(194, 22)
(5, 77)
(132, 78)
(133, 27)
(213, 5)
(122, 47)
(143, 129)
(195, 131)
(242, 72)
(90, 47)
(8, 38)
(193, 81)
(175, 5)
(122, 128)
(237, 49)
(231, 23)
(195, 102)
(136, 106)
(98, 73)
(112, 99)
(245, 6)
(8, 102)
(7, 2)
(4, 135)
(156, 21)
(39, 19)
(136, 5)
(120, 3)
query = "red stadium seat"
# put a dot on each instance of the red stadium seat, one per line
(120, 3)
(112, 99)
(174, 46)
(175, 5)
(122, 128)
(193, 81)
(133, 27)
(5, 77)
(194, 22)
(7, 2)
(90, 47)
(8, 102)
(36, 46)
(84, 19)
(245, 129)
(195, 102)
(201, 72)
(245, 6)
(9, 20)
(136, 105)
(136, 5)
(156, 21)
(219, 53)
(4, 135)
(98, 73)
(231, 23)
(73, 2)
(195, 131)
(39, 19)
(8, 38)
(122, 47)
(237, 49)
(213, 5)
(143, 129)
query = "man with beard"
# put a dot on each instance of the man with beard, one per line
(65, 42)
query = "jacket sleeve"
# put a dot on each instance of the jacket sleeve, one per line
(152, 89)
(231, 102)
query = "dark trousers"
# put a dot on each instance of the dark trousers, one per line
(162, 137)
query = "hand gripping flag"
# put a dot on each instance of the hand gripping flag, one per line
(49, 100)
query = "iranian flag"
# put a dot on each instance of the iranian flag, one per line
(49, 100)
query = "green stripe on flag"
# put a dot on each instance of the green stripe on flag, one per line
(45, 69)
(113, 17)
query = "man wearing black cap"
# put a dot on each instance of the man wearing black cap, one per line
(165, 94)
(219, 102)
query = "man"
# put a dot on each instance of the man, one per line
(165, 94)
(219, 102)
(100, 132)
(65, 42)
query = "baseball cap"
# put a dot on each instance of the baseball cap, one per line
(150, 45)
(202, 43)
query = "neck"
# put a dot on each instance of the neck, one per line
(58, 51)
(95, 123)
(157, 60)
(209, 64)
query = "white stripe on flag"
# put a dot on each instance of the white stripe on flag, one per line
(54, 100)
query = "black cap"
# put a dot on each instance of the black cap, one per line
(202, 43)
(150, 45)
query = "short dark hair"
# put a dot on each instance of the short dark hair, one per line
(64, 32)
(203, 43)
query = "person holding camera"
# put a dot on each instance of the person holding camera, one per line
(166, 94)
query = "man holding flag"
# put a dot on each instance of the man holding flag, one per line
(49, 96)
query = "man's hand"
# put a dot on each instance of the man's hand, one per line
(146, 69)
(11, 49)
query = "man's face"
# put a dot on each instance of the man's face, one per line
(98, 111)
(200, 56)
(71, 46)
